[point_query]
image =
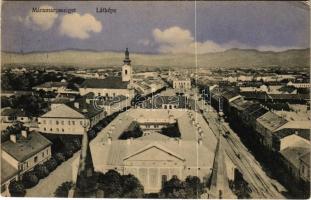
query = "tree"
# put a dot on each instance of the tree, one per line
(91, 134)
(174, 188)
(111, 184)
(59, 157)
(41, 171)
(30, 179)
(63, 189)
(132, 188)
(76, 143)
(68, 154)
(17, 189)
(193, 187)
(51, 164)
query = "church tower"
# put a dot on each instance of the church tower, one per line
(127, 68)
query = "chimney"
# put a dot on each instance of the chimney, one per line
(76, 104)
(24, 133)
(109, 140)
(200, 141)
(13, 138)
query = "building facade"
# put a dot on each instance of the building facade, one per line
(21, 154)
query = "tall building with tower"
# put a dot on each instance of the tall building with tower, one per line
(111, 86)
(127, 68)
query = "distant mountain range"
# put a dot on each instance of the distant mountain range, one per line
(229, 58)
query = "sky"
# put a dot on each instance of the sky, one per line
(155, 27)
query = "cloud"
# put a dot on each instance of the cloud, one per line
(39, 20)
(79, 26)
(177, 40)
(144, 42)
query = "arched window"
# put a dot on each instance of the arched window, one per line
(125, 71)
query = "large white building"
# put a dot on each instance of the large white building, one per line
(70, 117)
(154, 157)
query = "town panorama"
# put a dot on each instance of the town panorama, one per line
(184, 100)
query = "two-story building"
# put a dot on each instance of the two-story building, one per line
(21, 154)
(70, 117)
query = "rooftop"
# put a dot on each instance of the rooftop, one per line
(271, 121)
(24, 148)
(241, 104)
(109, 83)
(115, 153)
(52, 84)
(7, 171)
(191, 126)
(86, 109)
(293, 154)
(13, 112)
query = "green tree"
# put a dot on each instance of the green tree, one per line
(132, 188)
(30, 179)
(174, 188)
(59, 157)
(111, 184)
(63, 189)
(41, 171)
(193, 187)
(51, 164)
(17, 189)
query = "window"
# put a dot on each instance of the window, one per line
(44, 128)
(42, 154)
(73, 122)
(57, 122)
(125, 71)
(22, 118)
(62, 130)
(36, 159)
(81, 123)
(47, 151)
(57, 129)
(62, 122)
(68, 122)
(51, 129)
(99, 94)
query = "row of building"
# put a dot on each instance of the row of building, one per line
(289, 140)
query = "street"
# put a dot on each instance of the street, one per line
(261, 185)
(47, 186)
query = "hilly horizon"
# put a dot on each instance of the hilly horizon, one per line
(95, 59)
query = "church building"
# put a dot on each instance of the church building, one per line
(111, 86)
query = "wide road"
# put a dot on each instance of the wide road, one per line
(262, 186)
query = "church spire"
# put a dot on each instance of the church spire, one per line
(127, 60)
(219, 185)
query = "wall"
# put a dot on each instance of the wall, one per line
(65, 125)
(107, 92)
